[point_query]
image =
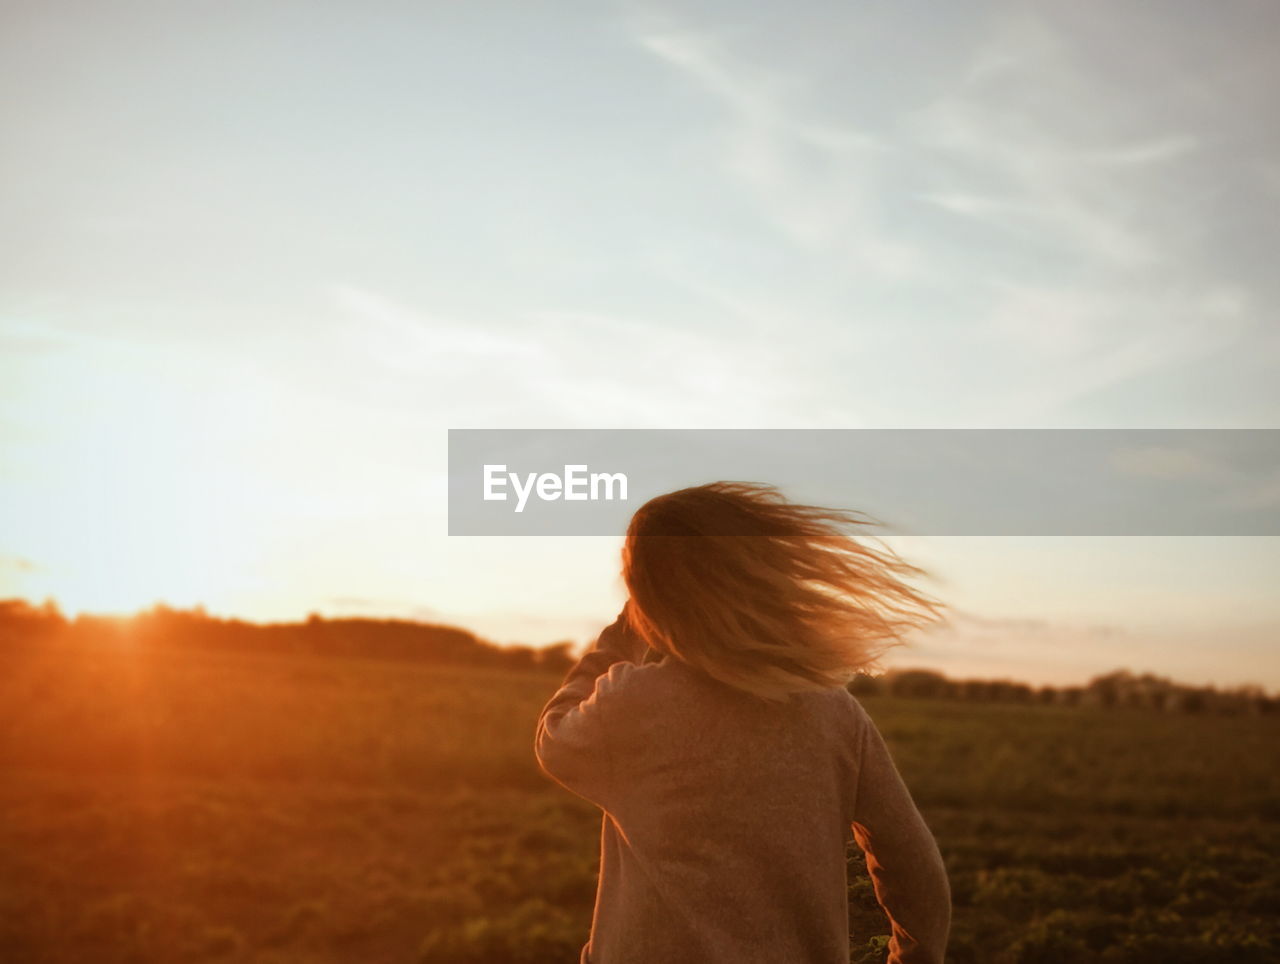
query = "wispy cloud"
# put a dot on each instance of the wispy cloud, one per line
(971, 644)
(1165, 462)
(1075, 341)
(1074, 257)
(1065, 651)
(415, 341)
(813, 177)
(1257, 494)
(1158, 151)
(570, 368)
(1037, 144)
(1023, 143)
(1241, 476)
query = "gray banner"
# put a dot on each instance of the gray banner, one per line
(954, 482)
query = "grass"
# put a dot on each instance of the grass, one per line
(162, 806)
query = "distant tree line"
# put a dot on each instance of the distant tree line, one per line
(1120, 688)
(22, 622)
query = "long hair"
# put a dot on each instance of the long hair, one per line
(768, 596)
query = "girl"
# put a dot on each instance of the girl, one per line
(712, 725)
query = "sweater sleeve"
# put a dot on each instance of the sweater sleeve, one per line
(903, 859)
(570, 744)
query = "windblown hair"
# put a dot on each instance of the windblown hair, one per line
(769, 596)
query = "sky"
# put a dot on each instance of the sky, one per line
(257, 259)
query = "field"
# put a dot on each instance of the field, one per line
(170, 806)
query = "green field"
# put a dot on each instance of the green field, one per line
(167, 806)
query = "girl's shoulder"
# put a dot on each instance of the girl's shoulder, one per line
(645, 681)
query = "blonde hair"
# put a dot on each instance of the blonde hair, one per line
(766, 595)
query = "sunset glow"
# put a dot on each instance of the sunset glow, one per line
(249, 285)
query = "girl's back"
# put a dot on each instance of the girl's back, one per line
(726, 818)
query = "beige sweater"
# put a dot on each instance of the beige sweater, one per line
(726, 819)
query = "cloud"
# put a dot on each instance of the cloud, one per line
(1157, 151)
(1076, 341)
(1097, 200)
(566, 368)
(813, 178)
(1024, 180)
(1244, 477)
(1164, 462)
(974, 625)
(1255, 493)
(412, 340)
(1030, 124)
(973, 645)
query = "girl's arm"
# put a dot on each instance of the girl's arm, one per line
(906, 868)
(570, 742)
